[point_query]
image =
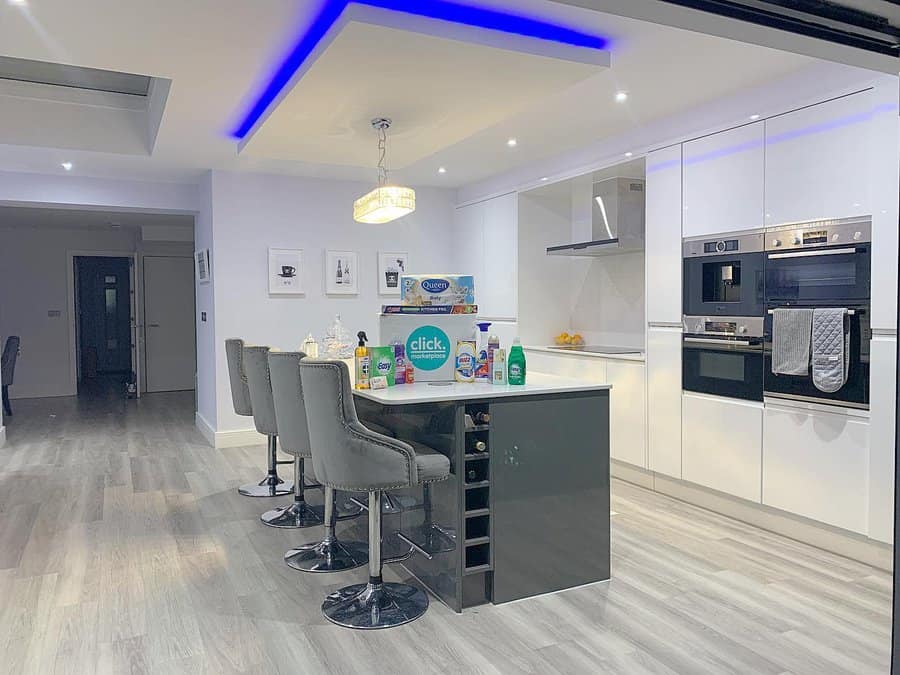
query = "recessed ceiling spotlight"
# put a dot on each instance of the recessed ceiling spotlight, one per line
(67, 166)
(442, 169)
(629, 154)
(21, 3)
(544, 178)
(621, 96)
(754, 117)
(512, 142)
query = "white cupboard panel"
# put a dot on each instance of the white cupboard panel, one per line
(627, 412)
(586, 368)
(663, 235)
(882, 412)
(496, 291)
(816, 464)
(722, 444)
(723, 181)
(664, 400)
(817, 163)
(468, 225)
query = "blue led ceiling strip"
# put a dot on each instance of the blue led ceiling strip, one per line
(435, 9)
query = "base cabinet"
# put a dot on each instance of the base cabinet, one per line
(627, 419)
(722, 444)
(664, 400)
(815, 464)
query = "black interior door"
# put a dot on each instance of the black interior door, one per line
(104, 315)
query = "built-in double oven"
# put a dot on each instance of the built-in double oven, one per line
(724, 309)
(732, 286)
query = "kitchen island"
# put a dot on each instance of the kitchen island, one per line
(526, 508)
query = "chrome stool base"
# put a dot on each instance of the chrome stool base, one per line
(297, 515)
(269, 487)
(375, 605)
(325, 556)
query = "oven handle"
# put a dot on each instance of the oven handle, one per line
(739, 343)
(810, 254)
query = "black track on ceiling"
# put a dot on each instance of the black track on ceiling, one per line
(815, 18)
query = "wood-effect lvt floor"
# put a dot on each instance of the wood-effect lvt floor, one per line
(125, 548)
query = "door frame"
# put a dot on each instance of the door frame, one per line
(136, 352)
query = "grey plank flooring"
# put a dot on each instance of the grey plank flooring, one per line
(125, 548)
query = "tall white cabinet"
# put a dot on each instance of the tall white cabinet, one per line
(723, 181)
(490, 231)
(663, 284)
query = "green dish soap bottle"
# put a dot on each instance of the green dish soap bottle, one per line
(515, 363)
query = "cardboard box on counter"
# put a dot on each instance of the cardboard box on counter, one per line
(420, 290)
(432, 309)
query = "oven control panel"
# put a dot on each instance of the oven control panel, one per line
(843, 232)
(724, 326)
(746, 242)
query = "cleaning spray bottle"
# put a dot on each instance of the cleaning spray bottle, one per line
(482, 362)
(363, 361)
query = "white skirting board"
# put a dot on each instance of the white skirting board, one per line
(2, 436)
(841, 542)
(227, 439)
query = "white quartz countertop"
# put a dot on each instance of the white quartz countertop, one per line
(636, 356)
(426, 392)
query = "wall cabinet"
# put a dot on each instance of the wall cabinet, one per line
(723, 181)
(489, 230)
(722, 444)
(816, 464)
(817, 162)
(627, 418)
(663, 235)
(664, 400)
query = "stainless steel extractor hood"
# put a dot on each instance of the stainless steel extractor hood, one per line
(617, 220)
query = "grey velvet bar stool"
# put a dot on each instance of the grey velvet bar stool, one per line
(271, 485)
(330, 554)
(298, 513)
(349, 456)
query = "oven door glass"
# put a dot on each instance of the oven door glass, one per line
(728, 285)
(732, 368)
(835, 276)
(854, 393)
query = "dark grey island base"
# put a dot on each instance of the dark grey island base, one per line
(529, 515)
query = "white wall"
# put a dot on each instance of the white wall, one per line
(34, 281)
(250, 213)
(206, 330)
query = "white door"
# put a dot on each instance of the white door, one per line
(169, 321)
(663, 239)
(664, 401)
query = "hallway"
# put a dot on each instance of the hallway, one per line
(125, 548)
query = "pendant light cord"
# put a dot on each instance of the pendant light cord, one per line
(382, 150)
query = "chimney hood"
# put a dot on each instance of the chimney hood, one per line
(617, 220)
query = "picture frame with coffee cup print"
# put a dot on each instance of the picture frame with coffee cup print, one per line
(341, 273)
(201, 265)
(286, 271)
(391, 266)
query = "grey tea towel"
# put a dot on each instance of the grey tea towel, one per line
(791, 330)
(830, 348)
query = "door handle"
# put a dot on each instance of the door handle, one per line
(153, 325)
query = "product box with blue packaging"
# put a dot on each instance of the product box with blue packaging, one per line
(424, 290)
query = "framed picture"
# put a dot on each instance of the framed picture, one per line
(341, 273)
(390, 267)
(201, 260)
(285, 271)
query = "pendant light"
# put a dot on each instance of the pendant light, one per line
(386, 202)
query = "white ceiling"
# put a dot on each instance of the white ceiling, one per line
(218, 52)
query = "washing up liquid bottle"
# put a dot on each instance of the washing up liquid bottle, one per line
(516, 363)
(363, 361)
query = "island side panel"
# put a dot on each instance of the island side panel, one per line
(550, 493)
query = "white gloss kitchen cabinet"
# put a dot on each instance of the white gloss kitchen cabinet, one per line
(816, 464)
(723, 181)
(490, 230)
(817, 161)
(721, 444)
(663, 236)
(664, 400)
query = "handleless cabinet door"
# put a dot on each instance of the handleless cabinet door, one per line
(817, 161)
(496, 290)
(549, 493)
(627, 412)
(663, 235)
(815, 464)
(723, 181)
(722, 444)
(664, 401)
(883, 412)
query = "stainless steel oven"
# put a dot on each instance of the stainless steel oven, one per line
(822, 264)
(724, 275)
(723, 356)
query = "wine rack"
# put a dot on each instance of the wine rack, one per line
(477, 558)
